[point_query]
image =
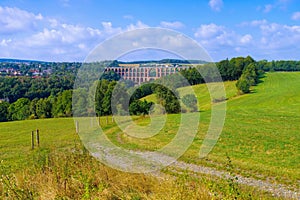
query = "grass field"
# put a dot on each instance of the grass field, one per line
(61, 168)
(260, 136)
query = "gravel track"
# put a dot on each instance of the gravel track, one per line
(277, 190)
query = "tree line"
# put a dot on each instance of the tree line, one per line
(245, 70)
(110, 97)
(14, 88)
(23, 108)
(52, 96)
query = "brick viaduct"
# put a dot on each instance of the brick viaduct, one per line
(139, 74)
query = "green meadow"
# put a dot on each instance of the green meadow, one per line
(260, 134)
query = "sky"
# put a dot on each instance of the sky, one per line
(67, 30)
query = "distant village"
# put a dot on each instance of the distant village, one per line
(32, 72)
(36, 69)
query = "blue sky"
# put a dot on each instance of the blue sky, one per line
(67, 30)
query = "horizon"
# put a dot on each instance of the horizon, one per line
(157, 60)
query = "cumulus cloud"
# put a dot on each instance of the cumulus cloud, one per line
(257, 22)
(63, 34)
(277, 36)
(153, 38)
(296, 16)
(17, 20)
(221, 41)
(65, 42)
(209, 31)
(109, 29)
(173, 25)
(33, 36)
(5, 42)
(246, 39)
(266, 39)
(138, 25)
(216, 4)
(278, 4)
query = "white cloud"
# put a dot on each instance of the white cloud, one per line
(209, 31)
(138, 25)
(216, 4)
(246, 39)
(53, 23)
(5, 42)
(257, 22)
(17, 20)
(220, 41)
(268, 8)
(296, 16)
(266, 40)
(34, 36)
(278, 4)
(109, 29)
(62, 34)
(279, 36)
(174, 25)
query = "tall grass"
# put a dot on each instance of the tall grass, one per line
(77, 175)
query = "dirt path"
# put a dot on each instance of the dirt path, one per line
(278, 190)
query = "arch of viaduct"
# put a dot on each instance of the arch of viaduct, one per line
(143, 74)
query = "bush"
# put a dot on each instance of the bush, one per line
(190, 101)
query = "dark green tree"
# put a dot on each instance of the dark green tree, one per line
(44, 108)
(167, 99)
(139, 107)
(248, 78)
(63, 104)
(33, 108)
(243, 85)
(4, 111)
(20, 109)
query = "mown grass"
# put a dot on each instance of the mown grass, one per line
(260, 135)
(61, 168)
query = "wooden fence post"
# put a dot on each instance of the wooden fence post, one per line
(77, 127)
(38, 137)
(32, 139)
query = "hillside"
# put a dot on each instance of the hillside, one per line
(260, 139)
(260, 134)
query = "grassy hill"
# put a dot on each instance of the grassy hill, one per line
(261, 133)
(260, 136)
